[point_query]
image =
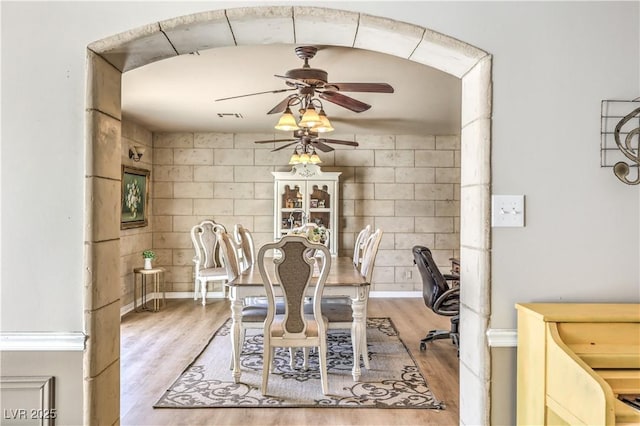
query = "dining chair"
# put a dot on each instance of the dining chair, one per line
(294, 273)
(369, 254)
(339, 312)
(246, 251)
(228, 254)
(207, 263)
(254, 310)
(358, 246)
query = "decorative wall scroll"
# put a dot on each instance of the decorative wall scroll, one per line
(620, 123)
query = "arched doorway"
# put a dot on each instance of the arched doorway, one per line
(110, 57)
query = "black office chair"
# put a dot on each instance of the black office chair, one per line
(438, 295)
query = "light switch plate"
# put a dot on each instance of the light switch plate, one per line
(507, 211)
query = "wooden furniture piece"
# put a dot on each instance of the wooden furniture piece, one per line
(306, 194)
(343, 279)
(574, 360)
(358, 245)
(339, 313)
(246, 246)
(158, 284)
(207, 264)
(294, 276)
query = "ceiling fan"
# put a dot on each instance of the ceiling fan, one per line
(311, 81)
(307, 137)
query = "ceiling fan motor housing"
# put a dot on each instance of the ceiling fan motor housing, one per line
(311, 76)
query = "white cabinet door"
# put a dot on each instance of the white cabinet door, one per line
(306, 195)
(290, 205)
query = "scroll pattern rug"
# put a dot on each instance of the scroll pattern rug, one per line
(393, 381)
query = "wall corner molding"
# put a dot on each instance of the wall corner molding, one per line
(502, 337)
(43, 341)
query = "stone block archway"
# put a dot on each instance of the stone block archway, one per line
(110, 57)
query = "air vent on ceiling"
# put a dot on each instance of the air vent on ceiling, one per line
(229, 114)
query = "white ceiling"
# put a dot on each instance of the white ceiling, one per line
(178, 94)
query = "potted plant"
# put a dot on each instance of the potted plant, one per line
(148, 256)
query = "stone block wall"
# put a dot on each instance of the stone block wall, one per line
(134, 241)
(409, 186)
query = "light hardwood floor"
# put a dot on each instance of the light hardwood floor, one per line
(156, 348)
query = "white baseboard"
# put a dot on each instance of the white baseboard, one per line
(395, 294)
(220, 295)
(170, 295)
(42, 341)
(189, 295)
(502, 337)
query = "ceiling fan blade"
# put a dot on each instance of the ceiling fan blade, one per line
(361, 87)
(281, 106)
(339, 142)
(257, 93)
(321, 146)
(284, 146)
(345, 101)
(276, 140)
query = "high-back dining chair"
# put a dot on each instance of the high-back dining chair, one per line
(358, 245)
(244, 239)
(207, 263)
(438, 295)
(339, 312)
(228, 254)
(369, 253)
(293, 275)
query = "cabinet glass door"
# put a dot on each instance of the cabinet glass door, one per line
(320, 204)
(290, 206)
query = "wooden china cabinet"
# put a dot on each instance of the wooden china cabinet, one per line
(303, 195)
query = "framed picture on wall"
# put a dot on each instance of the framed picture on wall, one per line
(135, 198)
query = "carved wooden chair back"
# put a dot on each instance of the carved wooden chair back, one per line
(205, 244)
(358, 245)
(294, 273)
(247, 246)
(369, 254)
(228, 254)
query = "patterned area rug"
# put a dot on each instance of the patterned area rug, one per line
(393, 381)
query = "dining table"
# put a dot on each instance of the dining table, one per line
(343, 279)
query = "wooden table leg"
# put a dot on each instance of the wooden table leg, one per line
(135, 285)
(236, 348)
(156, 290)
(164, 292)
(143, 304)
(358, 327)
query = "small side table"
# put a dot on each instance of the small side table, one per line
(158, 281)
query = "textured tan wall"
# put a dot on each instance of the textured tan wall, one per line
(135, 240)
(407, 185)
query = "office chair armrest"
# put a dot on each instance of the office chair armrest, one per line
(453, 294)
